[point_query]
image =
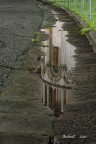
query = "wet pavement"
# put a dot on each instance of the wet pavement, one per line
(68, 74)
(51, 88)
(23, 118)
(18, 22)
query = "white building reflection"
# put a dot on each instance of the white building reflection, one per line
(55, 65)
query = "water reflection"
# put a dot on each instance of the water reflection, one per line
(55, 98)
(55, 65)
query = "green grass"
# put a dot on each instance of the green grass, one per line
(91, 23)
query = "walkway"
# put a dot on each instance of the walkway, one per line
(23, 118)
(67, 62)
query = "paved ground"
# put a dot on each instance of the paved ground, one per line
(23, 118)
(19, 19)
(79, 117)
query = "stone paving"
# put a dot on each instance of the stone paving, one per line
(19, 20)
(23, 118)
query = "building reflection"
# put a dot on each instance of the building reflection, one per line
(54, 69)
(55, 98)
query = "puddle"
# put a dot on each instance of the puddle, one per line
(57, 62)
(55, 98)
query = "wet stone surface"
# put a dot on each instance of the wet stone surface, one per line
(78, 105)
(66, 59)
(23, 118)
(19, 20)
(79, 117)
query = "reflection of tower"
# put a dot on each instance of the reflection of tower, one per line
(54, 68)
(54, 51)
